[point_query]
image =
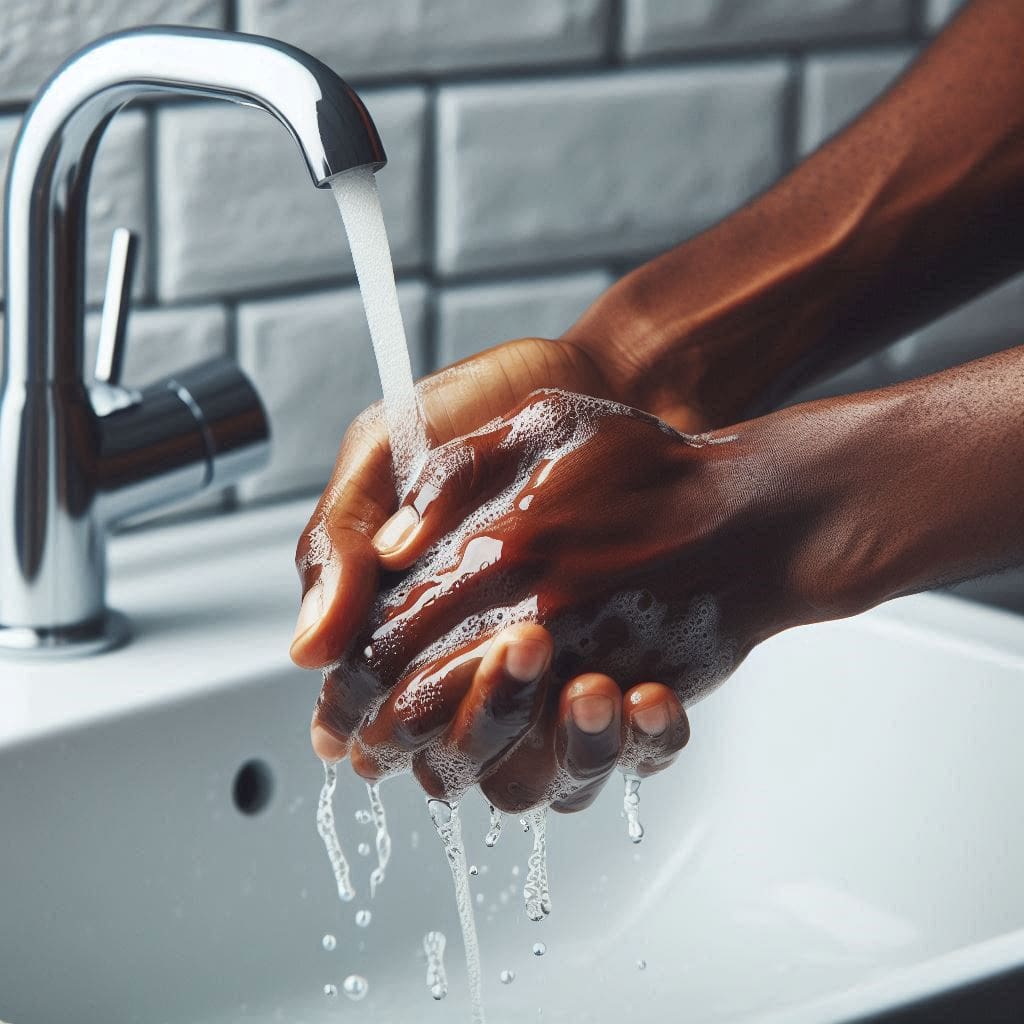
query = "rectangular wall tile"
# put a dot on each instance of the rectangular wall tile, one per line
(990, 323)
(162, 341)
(600, 166)
(237, 210)
(474, 317)
(652, 27)
(38, 35)
(311, 360)
(117, 197)
(361, 40)
(938, 12)
(837, 88)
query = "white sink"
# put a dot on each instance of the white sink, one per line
(843, 833)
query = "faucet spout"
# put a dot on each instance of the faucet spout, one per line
(52, 562)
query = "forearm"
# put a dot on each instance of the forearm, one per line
(912, 210)
(910, 487)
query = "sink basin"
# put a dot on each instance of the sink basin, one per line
(842, 835)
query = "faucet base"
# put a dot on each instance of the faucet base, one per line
(101, 634)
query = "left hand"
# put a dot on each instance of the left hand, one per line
(559, 561)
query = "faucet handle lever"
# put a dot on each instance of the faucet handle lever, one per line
(114, 319)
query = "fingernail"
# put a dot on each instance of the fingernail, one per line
(310, 611)
(396, 530)
(526, 660)
(593, 713)
(652, 720)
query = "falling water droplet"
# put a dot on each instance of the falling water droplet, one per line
(473, 869)
(641, 965)
(437, 979)
(330, 990)
(507, 977)
(525, 824)
(329, 835)
(363, 816)
(363, 918)
(494, 830)
(383, 839)
(535, 890)
(631, 806)
(329, 942)
(355, 987)
(539, 949)
(363, 849)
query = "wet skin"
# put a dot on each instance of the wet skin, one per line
(829, 508)
(634, 512)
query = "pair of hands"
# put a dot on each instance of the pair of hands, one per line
(562, 577)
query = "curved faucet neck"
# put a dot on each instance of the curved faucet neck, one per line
(52, 160)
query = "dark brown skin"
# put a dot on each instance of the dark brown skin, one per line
(811, 513)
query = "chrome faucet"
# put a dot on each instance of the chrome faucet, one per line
(75, 459)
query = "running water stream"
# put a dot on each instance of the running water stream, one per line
(329, 834)
(355, 192)
(445, 817)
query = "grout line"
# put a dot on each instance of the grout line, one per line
(792, 114)
(152, 241)
(615, 41)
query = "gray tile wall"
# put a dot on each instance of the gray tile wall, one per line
(537, 150)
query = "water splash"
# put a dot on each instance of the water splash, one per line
(329, 834)
(445, 817)
(535, 890)
(437, 979)
(380, 823)
(494, 831)
(631, 806)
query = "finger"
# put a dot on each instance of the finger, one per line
(462, 474)
(655, 728)
(525, 777)
(505, 698)
(416, 710)
(335, 558)
(589, 715)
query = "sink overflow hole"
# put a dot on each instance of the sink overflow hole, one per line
(253, 787)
